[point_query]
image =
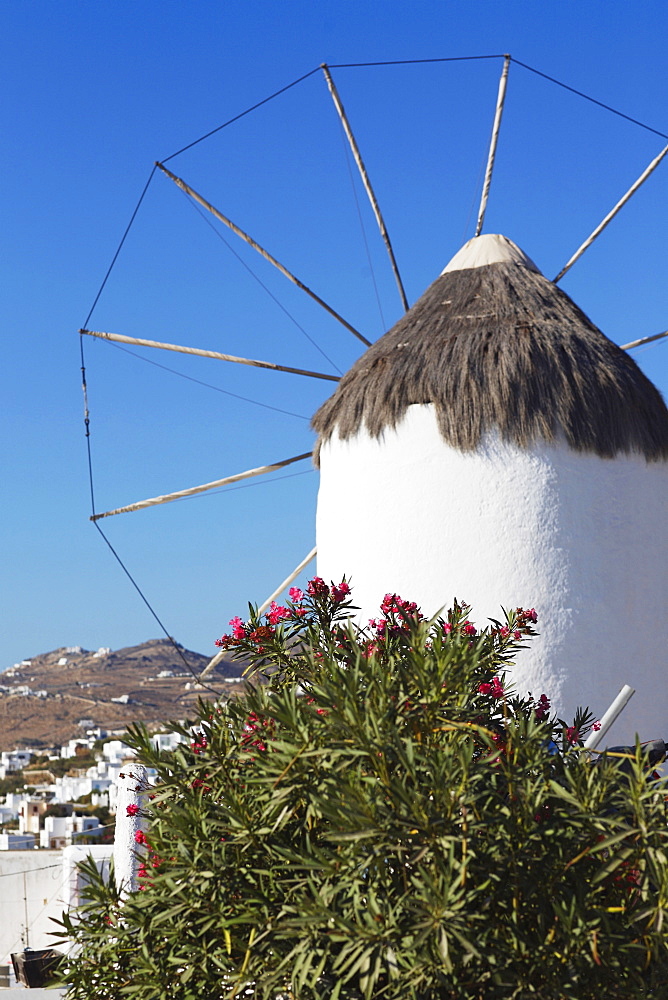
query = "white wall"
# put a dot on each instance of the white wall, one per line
(40, 873)
(582, 539)
(36, 886)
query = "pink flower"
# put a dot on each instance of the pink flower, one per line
(276, 614)
(223, 641)
(140, 837)
(237, 626)
(340, 593)
(131, 810)
(300, 612)
(572, 735)
(388, 602)
(468, 629)
(596, 726)
(296, 595)
(504, 631)
(531, 615)
(517, 634)
(393, 603)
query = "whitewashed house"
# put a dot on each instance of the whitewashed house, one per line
(13, 760)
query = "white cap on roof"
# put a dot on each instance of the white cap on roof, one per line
(492, 248)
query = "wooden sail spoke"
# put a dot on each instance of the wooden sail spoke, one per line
(610, 216)
(493, 143)
(644, 340)
(264, 253)
(139, 342)
(194, 490)
(365, 181)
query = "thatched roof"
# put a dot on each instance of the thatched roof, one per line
(499, 346)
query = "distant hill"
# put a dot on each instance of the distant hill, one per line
(53, 697)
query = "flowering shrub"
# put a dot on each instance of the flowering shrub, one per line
(379, 816)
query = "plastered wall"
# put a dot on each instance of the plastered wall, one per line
(582, 539)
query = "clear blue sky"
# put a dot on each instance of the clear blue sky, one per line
(94, 93)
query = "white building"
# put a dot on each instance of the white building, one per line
(36, 887)
(7, 814)
(30, 815)
(167, 741)
(13, 760)
(495, 446)
(117, 751)
(54, 834)
(81, 826)
(70, 748)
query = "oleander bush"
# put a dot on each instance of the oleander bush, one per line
(380, 817)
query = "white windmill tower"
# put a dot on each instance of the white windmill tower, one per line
(495, 445)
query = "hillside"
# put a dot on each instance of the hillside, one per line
(51, 698)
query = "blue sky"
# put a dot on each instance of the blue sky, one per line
(95, 93)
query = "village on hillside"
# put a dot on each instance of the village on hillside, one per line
(49, 699)
(54, 801)
(63, 716)
(55, 810)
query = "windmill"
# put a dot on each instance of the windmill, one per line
(447, 397)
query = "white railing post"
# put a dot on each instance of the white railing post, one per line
(132, 788)
(617, 706)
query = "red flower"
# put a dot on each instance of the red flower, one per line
(140, 837)
(341, 592)
(296, 595)
(542, 708)
(197, 783)
(317, 587)
(262, 632)
(131, 810)
(200, 744)
(495, 688)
